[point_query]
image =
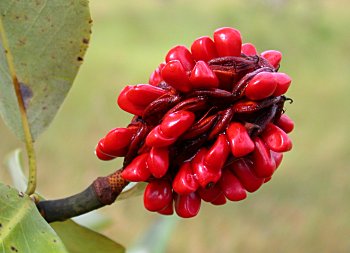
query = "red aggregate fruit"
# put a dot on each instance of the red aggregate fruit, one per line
(210, 125)
(203, 49)
(273, 56)
(158, 195)
(228, 41)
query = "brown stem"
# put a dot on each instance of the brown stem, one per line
(103, 191)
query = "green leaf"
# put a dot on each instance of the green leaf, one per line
(79, 239)
(132, 190)
(22, 229)
(47, 41)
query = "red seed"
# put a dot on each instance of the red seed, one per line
(205, 175)
(128, 106)
(185, 181)
(228, 41)
(116, 142)
(203, 77)
(277, 157)
(264, 164)
(231, 186)
(285, 123)
(137, 170)
(210, 194)
(158, 161)
(169, 210)
(176, 123)
(156, 76)
(204, 49)
(274, 57)
(218, 153)
(175, 75)
(156, 138)
(157, 195)
(261, 86)
(276, 139)
(283, 82)
(239, 140)
(187, 206)
(101, 155)
(220, 200)
(183, 55)
(243, 169)
(249, 49)
(144, 94)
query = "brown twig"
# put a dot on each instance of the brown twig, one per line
(103, 191)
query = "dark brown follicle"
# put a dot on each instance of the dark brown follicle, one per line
(108, 188)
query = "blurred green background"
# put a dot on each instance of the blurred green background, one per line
(305, 208)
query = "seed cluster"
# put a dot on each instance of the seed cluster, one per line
(209, 125)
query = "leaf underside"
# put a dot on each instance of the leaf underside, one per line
(22, 228)
(79, 239)
(48, 40)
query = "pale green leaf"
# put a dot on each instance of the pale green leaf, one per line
(156, 237)
(14, 165)
(48, 40)
(79, 239)
(22, 229)
(132, 190)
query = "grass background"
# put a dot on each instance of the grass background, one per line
(305, 208)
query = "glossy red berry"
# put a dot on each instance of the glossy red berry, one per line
(203, 49)
(231, 186)
(283, 82)
(249, 49)
(187, 206)
(264, 164)
(137, 170)
(175, 75)
(276, 139)
(273, 56)
(261, 86)
(156, 76)
(176, 123)
(228, 41)
(156, 138)
(243, 169)
(158, 195)
(210, 194)
(185, 181)
(181, 54)
(203, 77)
(285, 123)
(158, 161)
(239, 140)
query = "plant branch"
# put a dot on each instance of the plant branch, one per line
(25, 124)
(103, 191)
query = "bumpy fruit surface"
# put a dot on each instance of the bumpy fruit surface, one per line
(210, 125)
